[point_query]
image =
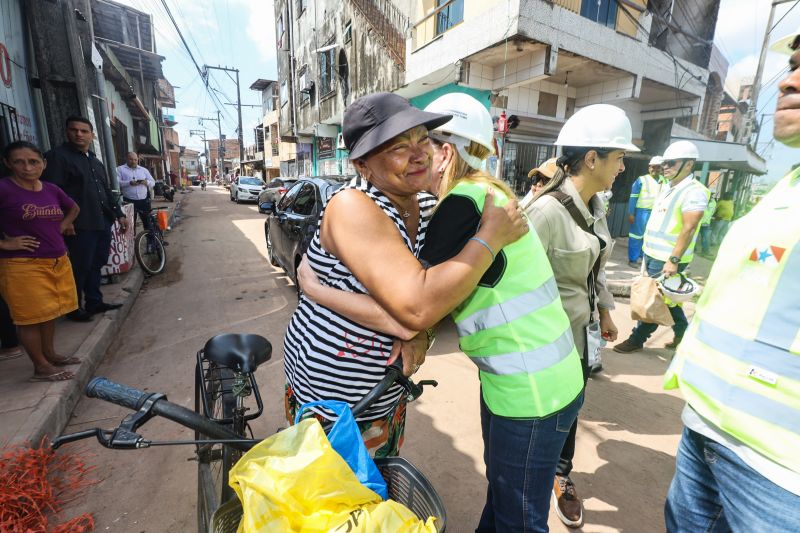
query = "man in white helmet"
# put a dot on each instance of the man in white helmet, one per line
(671, 233)
(644, 192)
(738, 367)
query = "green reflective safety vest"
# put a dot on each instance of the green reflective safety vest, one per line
(649, 191)
(517, 332)
(738, 365)
(666, 223)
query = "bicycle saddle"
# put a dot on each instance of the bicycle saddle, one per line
(242, 352)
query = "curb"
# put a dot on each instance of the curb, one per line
(52, 413)
(174, 214)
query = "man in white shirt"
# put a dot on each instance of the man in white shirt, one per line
(135, 182)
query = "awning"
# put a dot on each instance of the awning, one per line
(727, 155)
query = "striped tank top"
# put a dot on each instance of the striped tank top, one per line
(329, 357)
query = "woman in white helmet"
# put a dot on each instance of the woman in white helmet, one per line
(570, 218)
(513, 327)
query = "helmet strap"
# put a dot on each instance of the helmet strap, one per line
(461, 144)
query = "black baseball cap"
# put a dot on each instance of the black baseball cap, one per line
(376, 118)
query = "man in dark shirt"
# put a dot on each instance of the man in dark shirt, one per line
(74, 168)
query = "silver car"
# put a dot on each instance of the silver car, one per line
(246, 189)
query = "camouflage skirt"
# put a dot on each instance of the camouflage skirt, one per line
(383, 437)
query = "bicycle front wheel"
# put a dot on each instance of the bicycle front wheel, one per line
(150, 252)
(214, 461)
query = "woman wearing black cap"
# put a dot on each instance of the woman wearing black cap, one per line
(368, 242)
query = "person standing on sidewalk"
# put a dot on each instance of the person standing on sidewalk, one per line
(541, 175)
(643, 195)
(704, 237)
(569, 216)
(78, 172)
(738, 367)
(9, 342)
(670, 235)
(723, 216)
(35, 273)
(135, 182)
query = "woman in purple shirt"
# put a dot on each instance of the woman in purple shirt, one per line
(35, 274)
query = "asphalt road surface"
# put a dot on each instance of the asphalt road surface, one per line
(218, 281)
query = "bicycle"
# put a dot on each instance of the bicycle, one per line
(224, 380)
(148, 245)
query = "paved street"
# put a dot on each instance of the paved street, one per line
(219, 281)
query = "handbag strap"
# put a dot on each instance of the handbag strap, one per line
(569, 204)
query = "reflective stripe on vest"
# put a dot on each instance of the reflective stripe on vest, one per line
(517, 331)
(510, 310)
(530, 361)
(738, 365)
(648, 192)
(665, 226)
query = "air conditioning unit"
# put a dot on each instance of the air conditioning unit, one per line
(340, 142)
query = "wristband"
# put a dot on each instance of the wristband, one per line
(485, 244)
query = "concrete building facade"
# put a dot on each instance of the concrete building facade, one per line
(329, 53)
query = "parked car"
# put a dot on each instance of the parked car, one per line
(247, 188)
(294, 219)
(275, 189)
(194, 179)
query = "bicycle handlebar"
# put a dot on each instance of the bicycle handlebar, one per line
(116, 393)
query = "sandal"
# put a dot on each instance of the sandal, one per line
(58, 376)
(11, 354)
(65, 361)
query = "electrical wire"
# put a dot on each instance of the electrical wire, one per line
(784, 16)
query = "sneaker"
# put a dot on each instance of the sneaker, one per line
(596, 369)
(673, 345)
(633, 264)
(567, 504)
(628, 346)
(79, 315)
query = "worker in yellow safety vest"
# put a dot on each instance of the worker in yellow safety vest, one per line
(671, 233)
(644, 192)
(738, 367)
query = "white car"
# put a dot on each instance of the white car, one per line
(246, 189)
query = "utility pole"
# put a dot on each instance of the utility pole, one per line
(206, 68)
(753, 110)
(220, 149)
(202, 135)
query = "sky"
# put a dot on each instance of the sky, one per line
(229, 33)
(739, 35)
(241, 34)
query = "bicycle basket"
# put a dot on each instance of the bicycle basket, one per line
(406, 485)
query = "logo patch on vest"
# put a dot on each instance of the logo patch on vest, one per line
(768, 255)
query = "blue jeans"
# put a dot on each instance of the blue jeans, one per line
(521, 457)
(714, 491)
(88, 253)
(643, 330)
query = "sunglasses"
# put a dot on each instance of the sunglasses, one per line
(670, 163)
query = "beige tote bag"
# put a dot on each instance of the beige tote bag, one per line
(647, 302)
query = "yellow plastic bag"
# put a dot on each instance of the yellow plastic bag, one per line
(295, 481)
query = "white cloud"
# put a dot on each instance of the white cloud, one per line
(774, 69)
(741, 25)
(261, 27)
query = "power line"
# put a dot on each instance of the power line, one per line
(784, 16)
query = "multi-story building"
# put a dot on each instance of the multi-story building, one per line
(540, 60)
(190, 161)
(279, 155)
(230, 151)
(330, 52)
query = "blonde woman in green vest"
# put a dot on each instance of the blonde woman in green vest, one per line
(513, 327)
(570, 219)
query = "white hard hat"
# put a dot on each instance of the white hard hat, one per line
(679, 288)
(471, 122)
(656, 160)
(598, 126)
(681, 150)
(784, 44)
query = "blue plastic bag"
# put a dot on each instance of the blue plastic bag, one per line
(345, 438)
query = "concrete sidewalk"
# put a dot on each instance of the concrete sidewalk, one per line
(620, 275)
(30, 411)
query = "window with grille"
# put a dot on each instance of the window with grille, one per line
(327, 67)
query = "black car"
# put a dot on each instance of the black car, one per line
(293, 221)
